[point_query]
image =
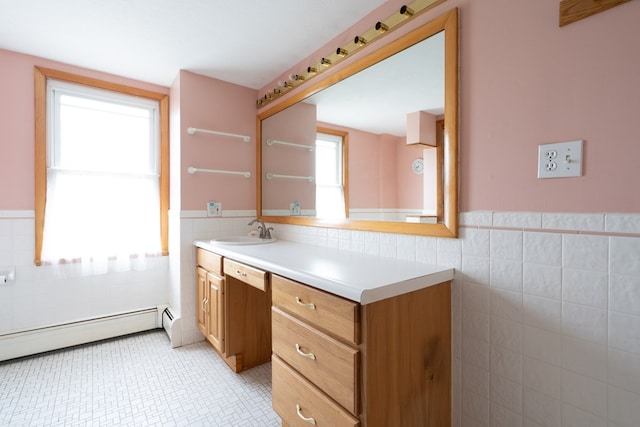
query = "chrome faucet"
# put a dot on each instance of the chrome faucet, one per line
(265, 232)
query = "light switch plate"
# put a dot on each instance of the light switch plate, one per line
(560, 159)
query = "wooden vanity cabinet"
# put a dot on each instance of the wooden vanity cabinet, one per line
(233, 309)
(210, 298)
(210, 308)
(339, 363)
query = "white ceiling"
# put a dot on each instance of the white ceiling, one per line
(248, 42)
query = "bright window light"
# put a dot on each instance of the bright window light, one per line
(103, 189)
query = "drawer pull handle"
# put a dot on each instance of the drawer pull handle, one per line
(310, 306)
(307, 419)
(302, 353)
(241, 273)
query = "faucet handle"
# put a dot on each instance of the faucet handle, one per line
(267, 234)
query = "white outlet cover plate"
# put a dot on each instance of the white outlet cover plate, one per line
(560, 159)
(214, 208)
(294, 208)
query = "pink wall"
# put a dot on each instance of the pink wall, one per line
(387, 171)
(297, 125)
(542, 84)
(212, 104)
(380, 173)
(409, 189)
(17, 123)
(523, 82)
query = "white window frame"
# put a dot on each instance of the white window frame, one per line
(330, 197)
(151, 173)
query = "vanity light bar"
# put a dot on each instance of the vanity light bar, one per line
(397, 19)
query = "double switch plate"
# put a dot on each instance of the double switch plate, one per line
(560, 159)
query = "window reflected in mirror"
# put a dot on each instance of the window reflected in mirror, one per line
(330, 182)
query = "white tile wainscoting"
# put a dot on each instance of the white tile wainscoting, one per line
(54, 294)
(546, 313)
(546, 306)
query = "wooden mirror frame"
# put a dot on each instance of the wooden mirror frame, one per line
(447, 225)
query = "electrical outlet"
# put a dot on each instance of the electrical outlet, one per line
(214, 208)
(560, 159)
(294, 208)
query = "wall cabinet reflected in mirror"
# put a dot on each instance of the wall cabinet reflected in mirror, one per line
(388, 160)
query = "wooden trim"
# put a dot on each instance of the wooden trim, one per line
(101, 84)
(164, 175)
(575, 10)
(40, 160)
(439, 166)
(415, 36)
(448, 222)
(451, 135)
(41, 74)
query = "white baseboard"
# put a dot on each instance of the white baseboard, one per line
(35, 341)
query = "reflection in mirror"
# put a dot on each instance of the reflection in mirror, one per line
(399, 116)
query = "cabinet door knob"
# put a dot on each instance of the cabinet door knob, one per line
(302, 417)
(310, 306)
(302, 353)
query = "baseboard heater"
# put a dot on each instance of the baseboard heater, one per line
(25, 343)
(170, 324)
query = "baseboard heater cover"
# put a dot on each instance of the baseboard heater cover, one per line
(171, 324)
(50, 338)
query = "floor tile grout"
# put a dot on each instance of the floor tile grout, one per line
(134, 380)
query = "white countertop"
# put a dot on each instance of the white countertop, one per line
(358, 277)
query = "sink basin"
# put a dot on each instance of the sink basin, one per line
(242, 240)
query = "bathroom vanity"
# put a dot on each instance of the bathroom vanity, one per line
(354, 340)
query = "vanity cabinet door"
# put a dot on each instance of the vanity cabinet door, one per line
(210, 307)
(215, 311)
(201, 300)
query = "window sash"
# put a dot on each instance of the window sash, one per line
(330, 193)
(329, 152)
(118, 103)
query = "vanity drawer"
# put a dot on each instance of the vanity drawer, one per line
(294, 398)
(335, 315)
(209, 261)
(326, 362)
(250, 275)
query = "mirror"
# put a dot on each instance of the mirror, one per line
(376, 107)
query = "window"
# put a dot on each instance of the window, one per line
(101, 170)
(330, 189)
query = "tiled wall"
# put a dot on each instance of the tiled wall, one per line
(194, 225)
(50, 295)
(546, 314)
(546, 307)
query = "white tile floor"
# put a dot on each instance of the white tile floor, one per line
(135, 380)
